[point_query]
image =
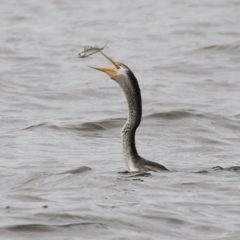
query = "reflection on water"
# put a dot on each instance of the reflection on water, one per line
(61, 171)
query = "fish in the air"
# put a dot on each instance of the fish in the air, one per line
(89, 50)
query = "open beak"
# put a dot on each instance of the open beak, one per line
(112, 72)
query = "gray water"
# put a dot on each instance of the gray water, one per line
(60, 154)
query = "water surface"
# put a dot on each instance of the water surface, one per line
(60, 154)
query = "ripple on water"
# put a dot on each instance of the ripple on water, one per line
(231, 48)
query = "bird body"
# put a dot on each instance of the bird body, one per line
(129, 84)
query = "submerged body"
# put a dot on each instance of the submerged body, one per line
(89, 50)
(128, 82)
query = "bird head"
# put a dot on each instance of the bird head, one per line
(114, 72)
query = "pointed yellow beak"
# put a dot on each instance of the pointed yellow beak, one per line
(112, 72)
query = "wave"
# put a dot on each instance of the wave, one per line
(43, 125)
(230, 122)
(175, 114)
(234, 169)
(77, 170)
(100, 125)
(48, 228)
(29, 228)
(232, 48)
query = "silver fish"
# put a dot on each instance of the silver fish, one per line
(89, 50)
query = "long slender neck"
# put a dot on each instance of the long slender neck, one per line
(132, 91)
